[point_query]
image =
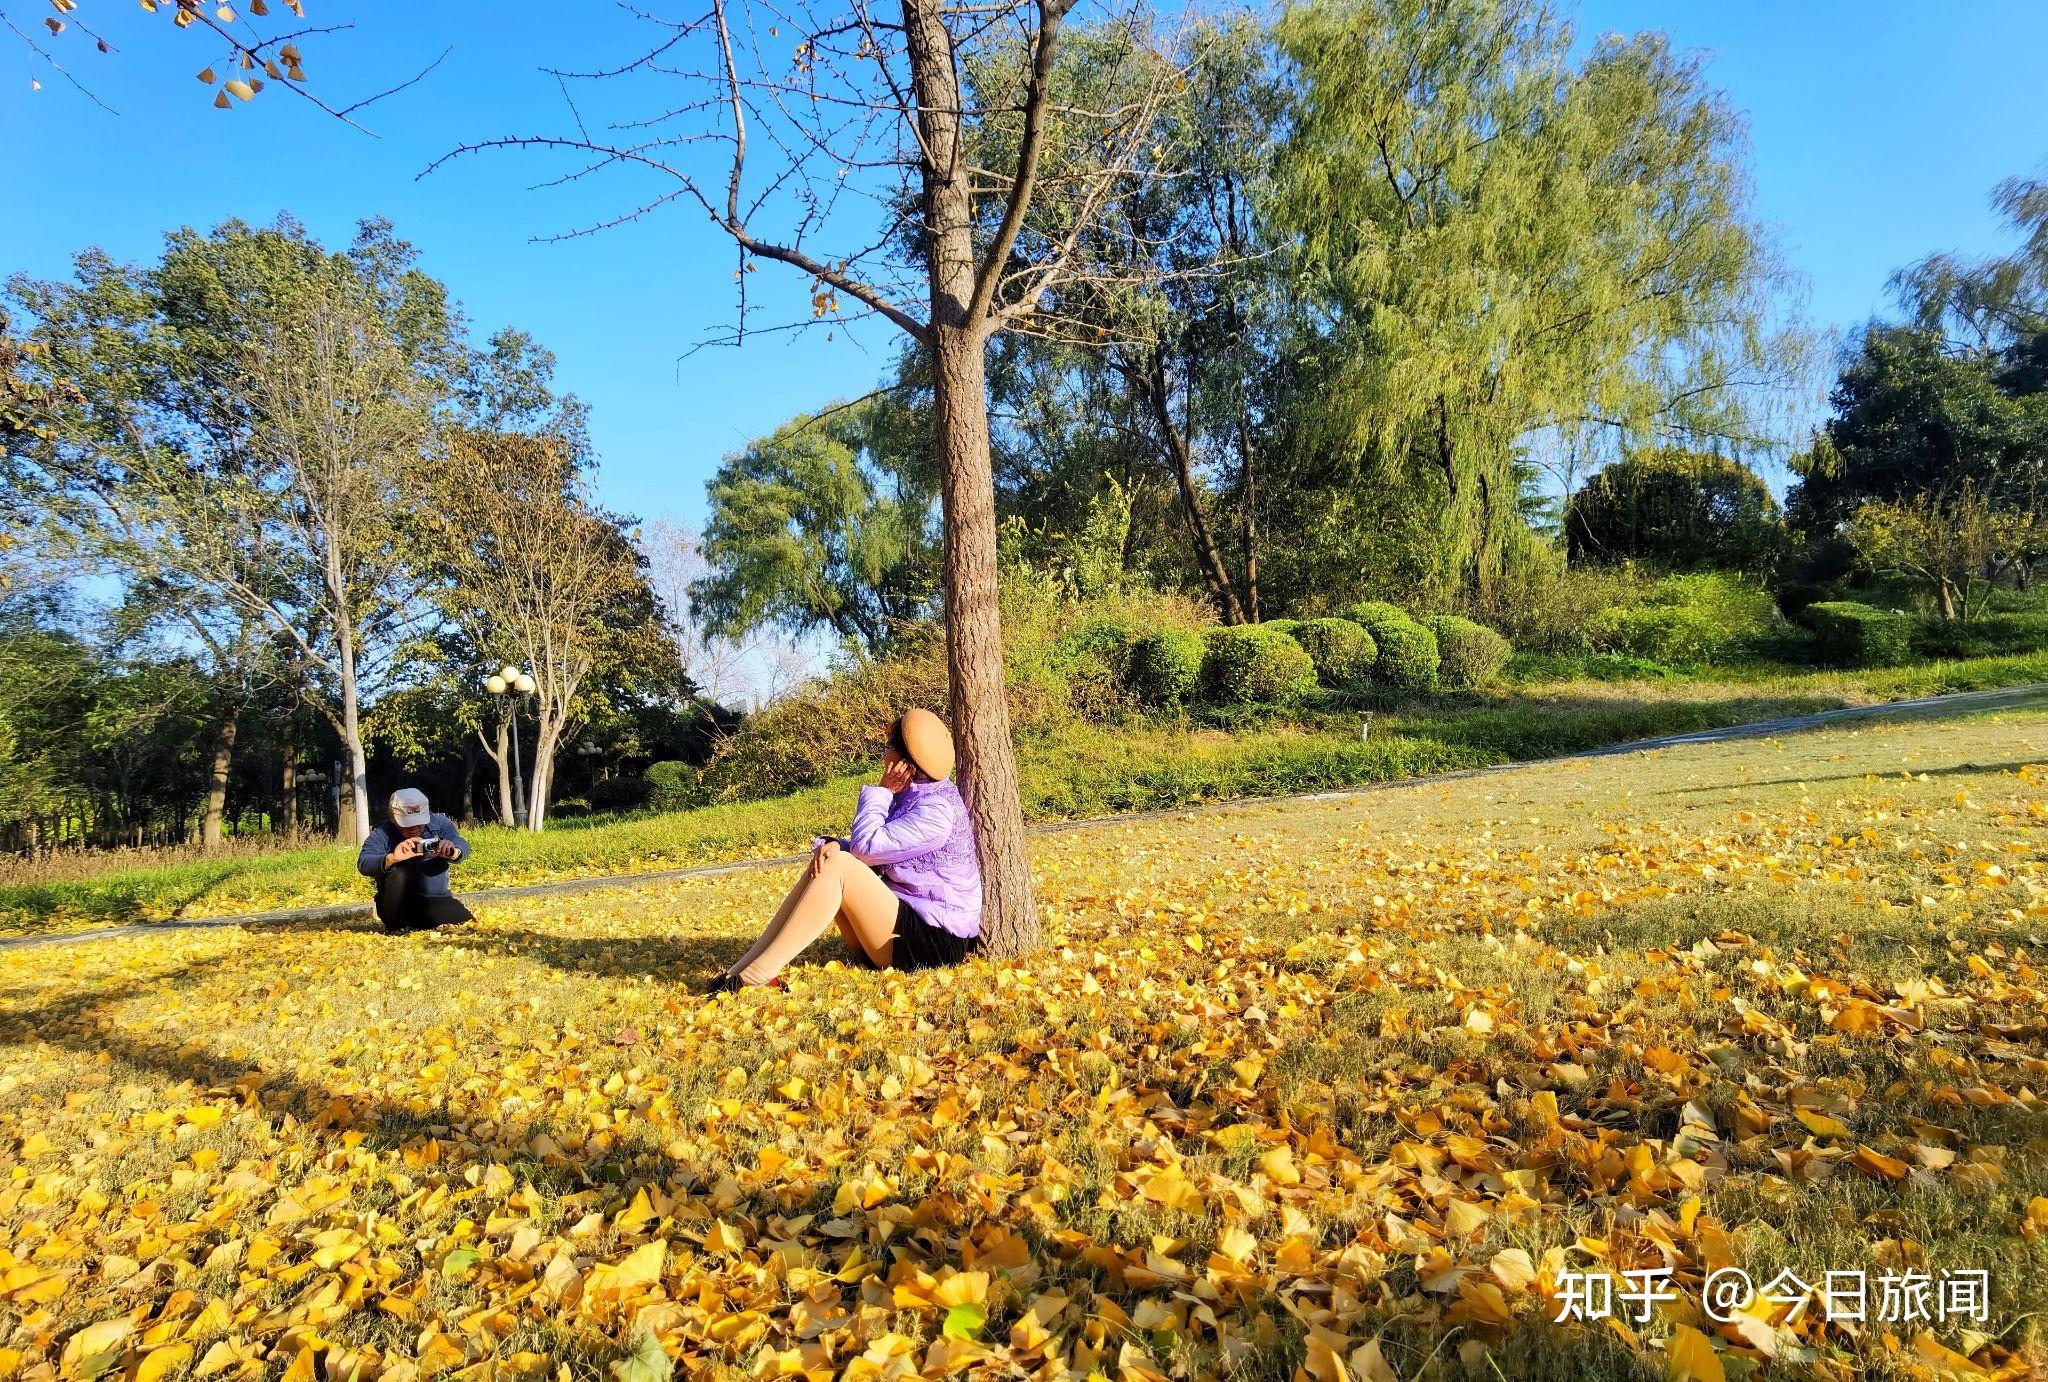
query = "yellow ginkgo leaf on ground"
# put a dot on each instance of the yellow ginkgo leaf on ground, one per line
(1690, 1357)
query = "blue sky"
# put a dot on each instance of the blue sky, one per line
(1879, 128)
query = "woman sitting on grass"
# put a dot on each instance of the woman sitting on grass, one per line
(903, 885)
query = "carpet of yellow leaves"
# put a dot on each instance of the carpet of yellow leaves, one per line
(1336, 1090)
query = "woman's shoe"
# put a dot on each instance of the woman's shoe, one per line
(733, 983)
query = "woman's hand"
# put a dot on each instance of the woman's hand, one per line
(825, 850)
(405, 851)
(897, 774)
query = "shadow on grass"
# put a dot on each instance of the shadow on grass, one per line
(1952, 770)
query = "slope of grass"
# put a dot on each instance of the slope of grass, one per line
(1086, 770)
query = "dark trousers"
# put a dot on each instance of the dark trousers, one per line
(402, 906)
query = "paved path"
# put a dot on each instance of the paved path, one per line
(1961, 703)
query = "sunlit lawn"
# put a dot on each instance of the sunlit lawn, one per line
(1346, 1087)
(1075, 772)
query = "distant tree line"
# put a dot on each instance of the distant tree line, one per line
(273, 512)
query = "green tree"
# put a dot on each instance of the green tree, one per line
(1956, 543)
(1509, 242)
(1911, 416)
(248, 412)
(1676, 509)
(829, 522)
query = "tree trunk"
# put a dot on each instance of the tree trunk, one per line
(470, 754)
(217, 784)
(352, 740)
(974, 634)
(1944, 591)
(1152, 388)
(288, 775)
(504, 757)
(540, 783)
(1248, 560)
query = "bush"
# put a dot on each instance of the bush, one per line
(1095, 660)
(1408, 657)
(1164, 667)
(615, 795)
(1371, 615)
(1254, 665)
(1660, 633)
(1796, 597)
(1342, 651)
(1988, 635)
(1687, 619)
(1544, 606)
(673, 786)
(1855, 635)
(1468, 654)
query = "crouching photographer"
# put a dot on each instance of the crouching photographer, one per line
(410, 857)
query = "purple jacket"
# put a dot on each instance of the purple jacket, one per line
(920, 842)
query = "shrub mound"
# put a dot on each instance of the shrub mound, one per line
(1254, 665)
(1343, 652)
(1163, 667)
(672, 786)
(1469, 654)
(1857, 635)
(1408, 654)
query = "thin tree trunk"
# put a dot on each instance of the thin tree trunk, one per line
(541, 785)
(470, 753)
(504, 757)
(1248, 561)
(352, 739)
(217, 784)
(974, 635)
(1152, 389)
(288, 775)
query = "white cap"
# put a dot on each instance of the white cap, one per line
(409, 807)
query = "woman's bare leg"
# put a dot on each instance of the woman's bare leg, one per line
(844, 887)
(775, 922)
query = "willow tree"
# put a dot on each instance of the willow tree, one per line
(1511, 245)
(857, 124)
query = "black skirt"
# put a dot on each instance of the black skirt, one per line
(921, 945)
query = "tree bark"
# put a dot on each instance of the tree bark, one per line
(352, 739)
(540, 784)
(504, 760)
(1248, 561)
(1152, 389)
(974, 636)
(470, 754)
(217, 784)
(288, 779)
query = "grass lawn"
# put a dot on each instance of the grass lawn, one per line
(1334, 1090)
(1085, 771)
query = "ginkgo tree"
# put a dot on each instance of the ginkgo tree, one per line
(959, 168)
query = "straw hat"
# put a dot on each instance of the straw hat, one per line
(928, 742)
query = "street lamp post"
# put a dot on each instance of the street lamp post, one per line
(505, 683)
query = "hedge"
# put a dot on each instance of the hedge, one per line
(1857, 635)
(673, 786)
(1342, 651)
(1163, 667)
(1469, 654)
(1254, 665)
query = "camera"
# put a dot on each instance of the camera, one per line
(428, 844)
